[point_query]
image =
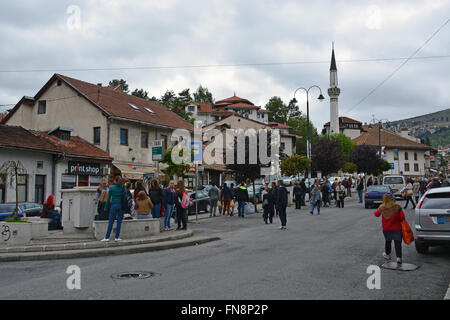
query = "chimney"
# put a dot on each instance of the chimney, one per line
(99, 84)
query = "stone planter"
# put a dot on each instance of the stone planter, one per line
(39, 227)
(15, 233)
(131, 229)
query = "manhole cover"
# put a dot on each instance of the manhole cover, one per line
(133, 275)
(401, 267)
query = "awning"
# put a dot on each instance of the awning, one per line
(134, 172)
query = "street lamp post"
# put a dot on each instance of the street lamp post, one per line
(308, 130)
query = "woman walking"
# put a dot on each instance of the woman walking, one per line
(156, 196)
(268, 205)
(392, 228)
(316, 199)
(114, 202)
(325, 195)
(416, 190)
(340, 191)
(180, 203)
(409, 195)
(143, 206)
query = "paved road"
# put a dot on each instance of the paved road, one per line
(318, 257)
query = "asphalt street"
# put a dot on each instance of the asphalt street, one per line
(322, 256)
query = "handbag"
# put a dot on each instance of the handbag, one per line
(407, 233)
(409, 193)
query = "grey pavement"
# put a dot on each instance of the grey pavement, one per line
(317, 257)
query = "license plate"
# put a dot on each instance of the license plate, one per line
(443, 220)
(378, 202)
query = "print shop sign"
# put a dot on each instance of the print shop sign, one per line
(81, 168)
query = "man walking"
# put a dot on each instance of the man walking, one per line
(226, 199)
(349, 187)
(340, 190)
(275, 197)
(360, 188)
(282, 202)
(213, 194)
(304, 191)
(233, 197)
(242, 198)
(297, 195)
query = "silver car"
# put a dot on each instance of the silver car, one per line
(432, 219)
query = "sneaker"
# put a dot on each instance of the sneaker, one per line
(386, 256)
(399, 260)
(117, 239)
(104, 240)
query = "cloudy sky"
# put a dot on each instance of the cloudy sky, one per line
(277, 45)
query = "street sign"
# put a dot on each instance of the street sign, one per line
(157, 148)
(392, 165)
(197, 148)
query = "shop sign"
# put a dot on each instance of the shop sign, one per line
(83, 168)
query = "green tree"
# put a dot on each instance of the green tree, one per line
(278, 110)
(327, 156)
(350, 167)
(172, 168)
(346, 143)
(141, 93)
(366, 159)
(385, 166)
(122, 83)
(294, 165)
(203, 95)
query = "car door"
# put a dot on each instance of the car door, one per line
(433, 212)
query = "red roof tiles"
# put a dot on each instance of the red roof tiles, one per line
(20, 138)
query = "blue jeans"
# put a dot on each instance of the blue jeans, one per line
(156, 211)
(115, 211)
(241, 207)
(315, 204)
(168, 213)
(360, 195)
(144, 216)
(282, 215)
(56, 219)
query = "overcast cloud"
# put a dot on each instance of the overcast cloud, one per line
(43, 35)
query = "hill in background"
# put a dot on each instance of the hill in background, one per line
(433, 127)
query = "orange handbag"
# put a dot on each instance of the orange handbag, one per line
(407, 233)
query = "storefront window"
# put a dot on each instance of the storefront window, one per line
(95, 181)
(68, 182)
(83, 181)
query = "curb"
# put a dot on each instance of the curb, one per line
(94, 244)
(101, 252)
(447, 296)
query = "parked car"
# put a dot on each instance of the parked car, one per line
(7, 209)
(258, 189)
(31, 209)
(287, 181)
(432, 219)
(374, 195)
(204, 203)
(396, 183)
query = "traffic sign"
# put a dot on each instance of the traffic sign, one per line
(157, 148)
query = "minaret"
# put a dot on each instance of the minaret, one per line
(334, 92)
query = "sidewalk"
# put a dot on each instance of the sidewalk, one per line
(60, 246)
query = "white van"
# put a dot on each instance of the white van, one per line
(396, 183)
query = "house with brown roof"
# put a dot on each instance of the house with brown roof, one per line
(405, 154)
(350, 127)
(122, 125)
(52, 162)
(209, 114)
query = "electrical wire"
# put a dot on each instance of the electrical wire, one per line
(398, 68)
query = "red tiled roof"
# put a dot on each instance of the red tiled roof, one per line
(2, 116)
(241, 106)
(290, 135)
(18, 137)
(233, 99)
(389, 139)
(222, 113)
(263, 111)
(279, 125)
(116, 104)
(204, 107)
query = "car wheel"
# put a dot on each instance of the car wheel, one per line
(208, 208)
(421, 247)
